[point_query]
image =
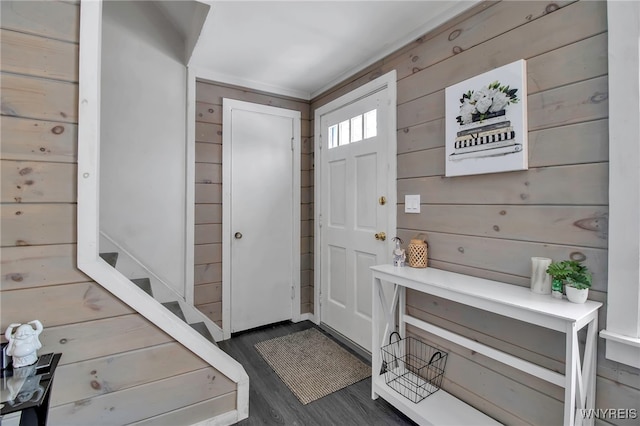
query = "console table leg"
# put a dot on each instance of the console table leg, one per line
(375, 320)
(589, 369)
(571, 362)
(402, 307)
(585, 375)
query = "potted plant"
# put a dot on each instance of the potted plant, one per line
(574, 275)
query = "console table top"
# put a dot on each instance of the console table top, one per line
(485, 294)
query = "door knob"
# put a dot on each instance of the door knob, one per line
(381, 236)
(238, 235)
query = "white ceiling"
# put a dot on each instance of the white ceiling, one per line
(301, 48)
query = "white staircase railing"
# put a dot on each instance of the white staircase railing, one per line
(133, 268)
(88, 258)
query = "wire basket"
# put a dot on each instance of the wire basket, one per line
(412, 368)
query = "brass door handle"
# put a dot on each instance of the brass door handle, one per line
(381, 236)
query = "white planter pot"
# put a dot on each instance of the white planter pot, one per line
(576, 296)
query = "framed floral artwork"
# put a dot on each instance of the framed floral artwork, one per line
(486, 122)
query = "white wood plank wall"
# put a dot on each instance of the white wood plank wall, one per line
(117, 367)
(491, 225)
(208, 194)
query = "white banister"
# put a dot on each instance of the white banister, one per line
(88, 257)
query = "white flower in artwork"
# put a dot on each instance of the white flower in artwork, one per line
(500, 101)
(484, 104)
(466, 111)
(482, 93)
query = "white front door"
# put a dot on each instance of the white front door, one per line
(261, 213)
(357, 206)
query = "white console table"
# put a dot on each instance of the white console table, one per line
(504, 299)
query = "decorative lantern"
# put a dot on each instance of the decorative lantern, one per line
(417, 252)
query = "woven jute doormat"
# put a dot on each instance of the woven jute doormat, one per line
(311, 364)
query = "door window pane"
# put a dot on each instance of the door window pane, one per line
(333, 136)
(344, 132)
(356, 129)
(370, 124)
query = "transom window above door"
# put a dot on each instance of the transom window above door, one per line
(355, 129)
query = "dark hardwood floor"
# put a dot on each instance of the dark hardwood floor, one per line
(272, 403)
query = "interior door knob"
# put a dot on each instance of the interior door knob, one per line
(238, 235)
(381, 236)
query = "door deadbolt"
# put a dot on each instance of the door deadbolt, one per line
(238, 235)
(381, 236)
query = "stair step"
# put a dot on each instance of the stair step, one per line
(201, 328)
(110, 258)
(145, 284)
(174, 307)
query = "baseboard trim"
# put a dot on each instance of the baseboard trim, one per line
(306, 317)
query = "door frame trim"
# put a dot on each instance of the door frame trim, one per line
(227, 106)
(388, 81)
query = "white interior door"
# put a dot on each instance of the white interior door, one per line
(261, 224)
(355, 175)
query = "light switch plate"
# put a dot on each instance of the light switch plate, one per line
(412, 203)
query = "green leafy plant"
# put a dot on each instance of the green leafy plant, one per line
(572, 272)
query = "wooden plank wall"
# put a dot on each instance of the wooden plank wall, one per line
(208, 194)
(117, 367)
(491, 225)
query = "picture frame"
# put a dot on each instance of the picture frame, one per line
(486, 122)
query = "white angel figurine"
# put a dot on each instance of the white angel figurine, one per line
(24, 343)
